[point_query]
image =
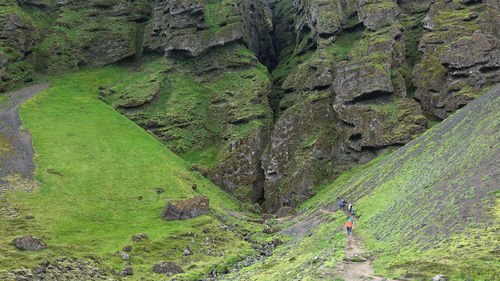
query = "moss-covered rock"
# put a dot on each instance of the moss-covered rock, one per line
(460, 56)
(218, 99)
(18, 38)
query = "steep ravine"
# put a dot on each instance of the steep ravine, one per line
(269, 99)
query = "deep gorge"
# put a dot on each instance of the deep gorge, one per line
(310, 100)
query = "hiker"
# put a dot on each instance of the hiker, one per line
(345, 204)
(349, 226)
(351, 209)
(350, 219)
(341, 204)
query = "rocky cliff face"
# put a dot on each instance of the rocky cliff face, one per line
(460, 55)
(18, 37)
(58, 36)
(370, 70)
(273, 98)
(228, 108)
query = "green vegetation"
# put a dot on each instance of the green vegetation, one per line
(312, 257)
(418, 208)
(198, 107)
(91, 179)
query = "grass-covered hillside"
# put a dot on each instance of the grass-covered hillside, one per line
(432, 207)
(213, 109)
(98, 175)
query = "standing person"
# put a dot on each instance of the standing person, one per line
(348, 227)
(341, 204)
(344, 203)
(351, 209)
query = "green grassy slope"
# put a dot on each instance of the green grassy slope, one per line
(312, 257)
(93, 165)
(432, 207)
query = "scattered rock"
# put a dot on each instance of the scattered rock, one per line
(186, 209)
(127, 248)
(439, 277)
(167, 267)
(144, 236)
(126, 271)
(194, 186)
(102, 87)
(37, 270)
(187, 252)
(125, 257)
(136, 238)
(139, 198)
(160, 190)
(206, 230)
(29, 243)
(29, 217)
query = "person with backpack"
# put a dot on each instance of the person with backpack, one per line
(341, 204)
(351, 209)
(349, 226)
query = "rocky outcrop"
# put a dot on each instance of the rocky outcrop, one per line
(64, 35)
(18, 38)
(186, 209)
(460, 56)
(378, 14)
(239, 172)
(340, 111)
(93, 33)
(189, 28)
(29, 243)
(168, 267)
(362, 81)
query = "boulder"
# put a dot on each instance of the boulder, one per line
(29, 243)
(168, 267)
(126, 271)
(186, 209)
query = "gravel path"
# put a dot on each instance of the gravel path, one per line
(16, 149)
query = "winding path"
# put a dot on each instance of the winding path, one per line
(16, 149)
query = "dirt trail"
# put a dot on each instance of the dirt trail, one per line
(16, 149)
(356, 264)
